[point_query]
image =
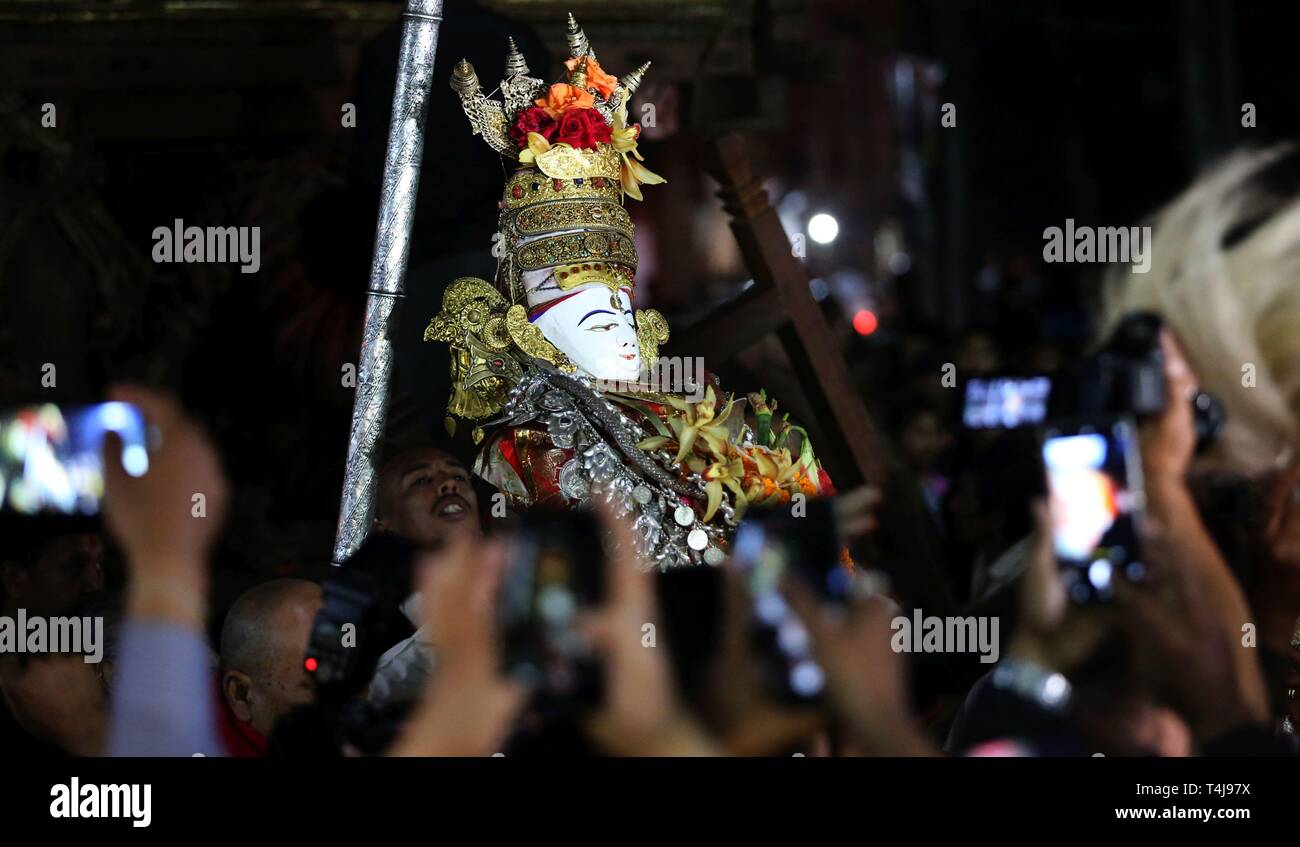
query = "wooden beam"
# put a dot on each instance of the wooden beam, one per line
(779, 300)
(731, 327)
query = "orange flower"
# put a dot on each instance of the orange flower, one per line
(596, 77)
(562, 97)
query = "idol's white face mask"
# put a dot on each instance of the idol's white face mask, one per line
(596, 329)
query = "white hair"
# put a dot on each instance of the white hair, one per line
(1235, 307)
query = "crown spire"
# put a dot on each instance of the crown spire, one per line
(627, 86)
(516, 65)
(578, 79)
(632, 80)
(463, 79)
(578, 44)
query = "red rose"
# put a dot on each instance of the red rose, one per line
(533, 119)
(582, 129)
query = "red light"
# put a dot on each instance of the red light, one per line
(310, 664)
(865, 322)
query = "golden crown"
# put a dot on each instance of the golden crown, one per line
(577, 159)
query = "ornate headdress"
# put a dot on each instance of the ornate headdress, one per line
(577, 158)
(562, 222)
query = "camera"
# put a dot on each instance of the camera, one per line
(359, 620)
(1127, 377)
(361, 616)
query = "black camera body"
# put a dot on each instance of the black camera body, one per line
(361, 616)
(359, 620)
(1127, 377)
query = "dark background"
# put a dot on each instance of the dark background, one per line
(231, 116)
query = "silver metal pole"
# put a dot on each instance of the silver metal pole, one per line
(388, 270)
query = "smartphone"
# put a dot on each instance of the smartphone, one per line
(1094, 480)
(555, 571)
(1006, 402)
(771, 543)
(51, 456)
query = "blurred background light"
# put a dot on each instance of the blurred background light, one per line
(823, 228)
(865, 322)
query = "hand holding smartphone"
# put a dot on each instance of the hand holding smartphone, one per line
(771, 544)
(51, 456)
(1096, 502)
(555, 571)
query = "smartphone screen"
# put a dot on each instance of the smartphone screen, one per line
(51, 456)
(1006, 402)
(769, 544)
(1094, 477)
(555, 571)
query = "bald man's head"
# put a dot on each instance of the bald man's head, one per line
(263, 643)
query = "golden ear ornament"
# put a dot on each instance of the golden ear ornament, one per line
(651, 331)
(528, 338)
(483, 366)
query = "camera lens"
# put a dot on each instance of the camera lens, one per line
(1208, 416)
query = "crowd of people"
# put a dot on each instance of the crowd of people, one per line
(1199, 657)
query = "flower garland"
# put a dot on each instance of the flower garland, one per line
(710, 442)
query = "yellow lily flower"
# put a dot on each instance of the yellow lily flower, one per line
(718, 475)
(537, 145)
(766, 463)
(717, 434)
(633, 174)
(687, 425)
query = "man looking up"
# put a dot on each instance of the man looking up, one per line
(426, 497)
